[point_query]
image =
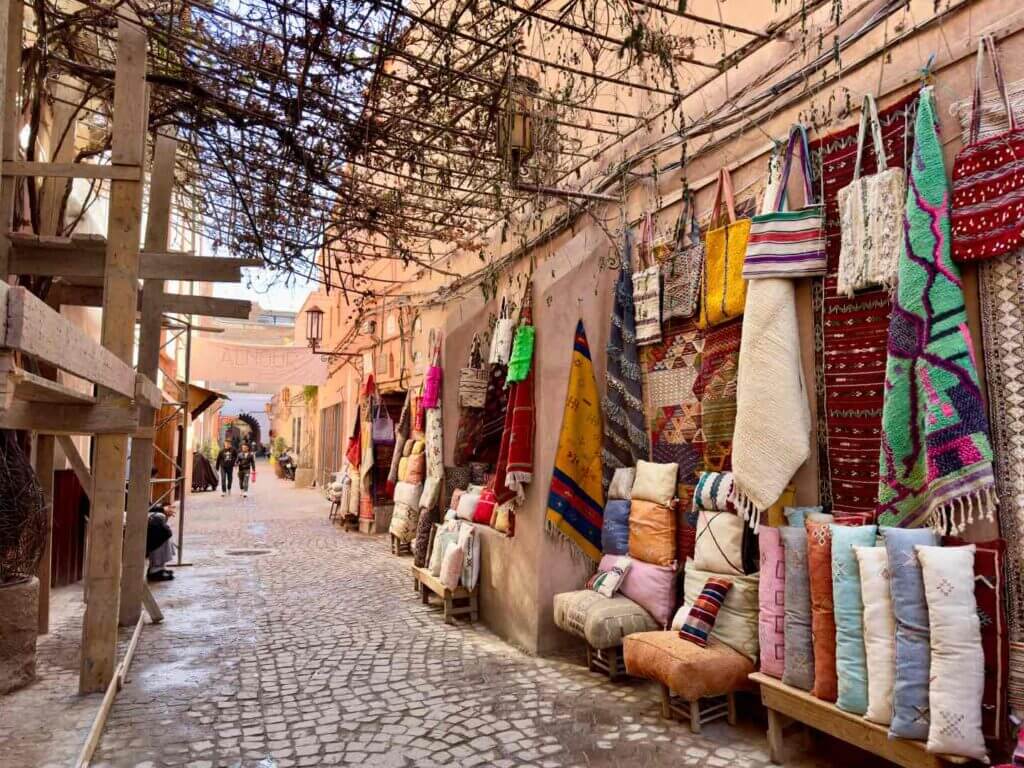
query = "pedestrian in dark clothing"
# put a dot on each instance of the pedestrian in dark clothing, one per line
(246, 465)
(226, 465)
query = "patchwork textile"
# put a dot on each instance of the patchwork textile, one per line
(701, 619)
(935, 462)
(576, 498)
(625, 436)
(715, 388)
(851, 333)
(670, 370)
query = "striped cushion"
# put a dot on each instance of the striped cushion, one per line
(786, 244)
(701, 621)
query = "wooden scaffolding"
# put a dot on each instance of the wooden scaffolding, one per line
(37, 341)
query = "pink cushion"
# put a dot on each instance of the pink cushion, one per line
(485, 507)
(653, 588)
(771, 601)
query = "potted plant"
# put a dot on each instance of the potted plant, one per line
(24, 529)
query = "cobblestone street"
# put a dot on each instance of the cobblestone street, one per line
(318, 652)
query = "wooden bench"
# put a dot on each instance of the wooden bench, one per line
(426, 584)
(698, 712)
(607, 661)
(399, 547)
(784, 701)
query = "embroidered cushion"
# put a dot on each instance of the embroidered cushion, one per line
(615, 528)
(798, 669)
(652, 532)
(421, 543)
(719, 545)
(416, 469)
(446, 536)
(851, 662)
(609, 576)
(404, 521)
(602, 621)
(910, 688)
(688, 670)
(431, 492)
(713, 491)
(467, 505)
(957, 668)
(655, 482)
(469, 543)
(704, 610)
(484, 512)
(408, 494)
(653, 588)
(456, 495)
(621, 486)
(451, 566)
(771, 601)
(879, 631)
(736, 625)
(823, 621)
(503, 514)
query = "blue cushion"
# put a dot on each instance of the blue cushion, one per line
(615, 531)
(798, 665)
(797, 516)
(851, 660)
(913, 646)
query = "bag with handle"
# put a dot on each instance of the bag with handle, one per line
(685, 265)
(988, 179)
(473, 379)
(501, 341)
(647, 289)
(789, 243)
(432, 379)
(723, 290)
(871, 214)
(383, 426)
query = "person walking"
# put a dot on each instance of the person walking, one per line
(226, 465)
(246, 465)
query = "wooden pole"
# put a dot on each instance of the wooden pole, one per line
(13, 17)
(133, 578)
(120, 296)
(44, 471)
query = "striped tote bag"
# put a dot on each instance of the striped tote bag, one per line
(988, 180)
(788, 243)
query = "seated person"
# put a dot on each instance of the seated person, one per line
(159, 546)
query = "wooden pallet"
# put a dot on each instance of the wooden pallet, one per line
(783, 701)
(427, 584)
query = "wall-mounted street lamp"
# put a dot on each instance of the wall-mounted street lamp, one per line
(315, 335)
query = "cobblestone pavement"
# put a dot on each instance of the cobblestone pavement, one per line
(317, 652)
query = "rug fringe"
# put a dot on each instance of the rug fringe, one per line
(559, 536)
(745, 508)
(953, 517)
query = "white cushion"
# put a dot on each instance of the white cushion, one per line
(736, 624)
(469, 542)
(610, 574)
(957, 661)
(655, 482)
(621, 486)
(451, 567)
(681, 616)
(408, 493)
(879, 631)
(719, 546)
(467, 506)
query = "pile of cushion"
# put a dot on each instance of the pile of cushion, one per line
(455, 558)
(882, 622)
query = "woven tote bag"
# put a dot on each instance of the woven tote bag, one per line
(647, 289)
(788, 243)
(383, 426)
(723, 290)
(988, 179)
(504, 331)
(871, 215)
(473, 379)
(683, 269)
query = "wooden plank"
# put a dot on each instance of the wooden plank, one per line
(77, 463)
(38, 258)
(44, 471)
(148, 393)
(853, 729)
(151, 605)
(10, 78)
(35, 329)
(66, 93)
(65, 419)
(36, 389)
(182, 304)
(72, 170)
(120, 299)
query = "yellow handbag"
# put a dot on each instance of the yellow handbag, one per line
(723, 289)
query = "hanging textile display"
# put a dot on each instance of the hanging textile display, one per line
(788, 243)
(647, 289)
(851, 334)
(492, 421)
(936, 460)
(434, 460)
(521, 359)
(988, 178)
(473, 379)
(575, 510)
(432, 379)
(772, 436)
(402, 430)
(501, 341)
(715, 387)
(685, 265)
(625, 437)
(1002, 327)
(871, 215)
(723, 290)
(670, 370)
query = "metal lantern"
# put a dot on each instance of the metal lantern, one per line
(314, 326)
(515, 121)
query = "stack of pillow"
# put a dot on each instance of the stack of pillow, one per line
(406, 514)
(883, 622)
(455, 558)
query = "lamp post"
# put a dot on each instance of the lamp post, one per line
(315, 334)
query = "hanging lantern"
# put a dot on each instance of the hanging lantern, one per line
(314, 326)
(515, 121)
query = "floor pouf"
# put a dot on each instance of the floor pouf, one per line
(602, 621)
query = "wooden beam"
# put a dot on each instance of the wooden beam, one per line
(147, 393)
(44, 471)
(120, 299)
(64, 419)
(10, 87)
(72, 170)
(178, 303)
(35, 329)
(66, 92)
(77, 463)
(42, 259)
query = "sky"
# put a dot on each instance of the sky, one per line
(254, 288)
